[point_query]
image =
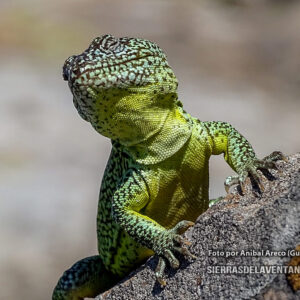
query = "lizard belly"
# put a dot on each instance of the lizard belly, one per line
(178, 190)
(179, 185)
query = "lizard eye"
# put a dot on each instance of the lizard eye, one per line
(109, 42)
(106, 43)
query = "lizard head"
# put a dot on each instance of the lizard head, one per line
(123, 86)
(117, 63)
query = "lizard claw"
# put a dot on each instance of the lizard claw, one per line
(268, 162)
(187, 243)
(227, 188)
(242, 185)
(172, 242)
(182, 226)
(285, 159)
(275, 156)
(159, 271)
(173, 261)
(185, 252)
(230, 181)
(182, 241)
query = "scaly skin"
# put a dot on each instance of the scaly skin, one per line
(156, 181)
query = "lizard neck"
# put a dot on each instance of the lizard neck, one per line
(168, 140)
(150, 126)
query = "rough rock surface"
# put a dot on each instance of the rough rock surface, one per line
(256, 221)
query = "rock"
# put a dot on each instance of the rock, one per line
(255, 222)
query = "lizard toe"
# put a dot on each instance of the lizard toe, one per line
(173, 261)
(160, 270)
(182, 226)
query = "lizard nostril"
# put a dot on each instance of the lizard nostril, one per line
(67, 67)
(65, 74)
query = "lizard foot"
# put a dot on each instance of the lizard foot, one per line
(251, 167)
(171, 241)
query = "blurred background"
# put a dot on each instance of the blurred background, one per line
(236, 61)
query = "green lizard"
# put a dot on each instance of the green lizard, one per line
(156, 181)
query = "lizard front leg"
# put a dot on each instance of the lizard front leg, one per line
(129, 199)
(238, 153)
